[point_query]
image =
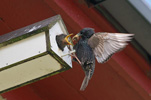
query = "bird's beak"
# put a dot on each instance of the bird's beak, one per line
(76, 37)
(66, 39)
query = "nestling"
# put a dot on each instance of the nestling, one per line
(62, 40)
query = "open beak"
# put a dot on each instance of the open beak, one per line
(66, 39)
(76, 37)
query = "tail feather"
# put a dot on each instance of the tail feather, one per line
(85, 81)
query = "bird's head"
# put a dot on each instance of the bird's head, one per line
(84, 33)
(63, 40)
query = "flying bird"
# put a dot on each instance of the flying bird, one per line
(101, 45)
(62, 40)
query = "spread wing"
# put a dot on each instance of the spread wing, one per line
(105, 44)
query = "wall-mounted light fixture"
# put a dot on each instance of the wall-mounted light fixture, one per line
(31, 53)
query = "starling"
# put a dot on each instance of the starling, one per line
(62, 40)
(101, 45)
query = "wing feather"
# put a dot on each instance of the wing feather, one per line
(105, 44)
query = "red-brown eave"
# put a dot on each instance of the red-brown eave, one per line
(123, 62)
(128, 64)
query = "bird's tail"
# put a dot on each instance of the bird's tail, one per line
(86, 80)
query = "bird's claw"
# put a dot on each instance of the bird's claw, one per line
(74, 56)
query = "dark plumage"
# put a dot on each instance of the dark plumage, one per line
(59, 39)
(100, 45)
(62, 40)
(86, 56)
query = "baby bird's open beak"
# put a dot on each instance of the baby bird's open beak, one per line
(66, 40)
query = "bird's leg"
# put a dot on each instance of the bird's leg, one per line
(73, 55)
(72, 52)
(78, 59)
